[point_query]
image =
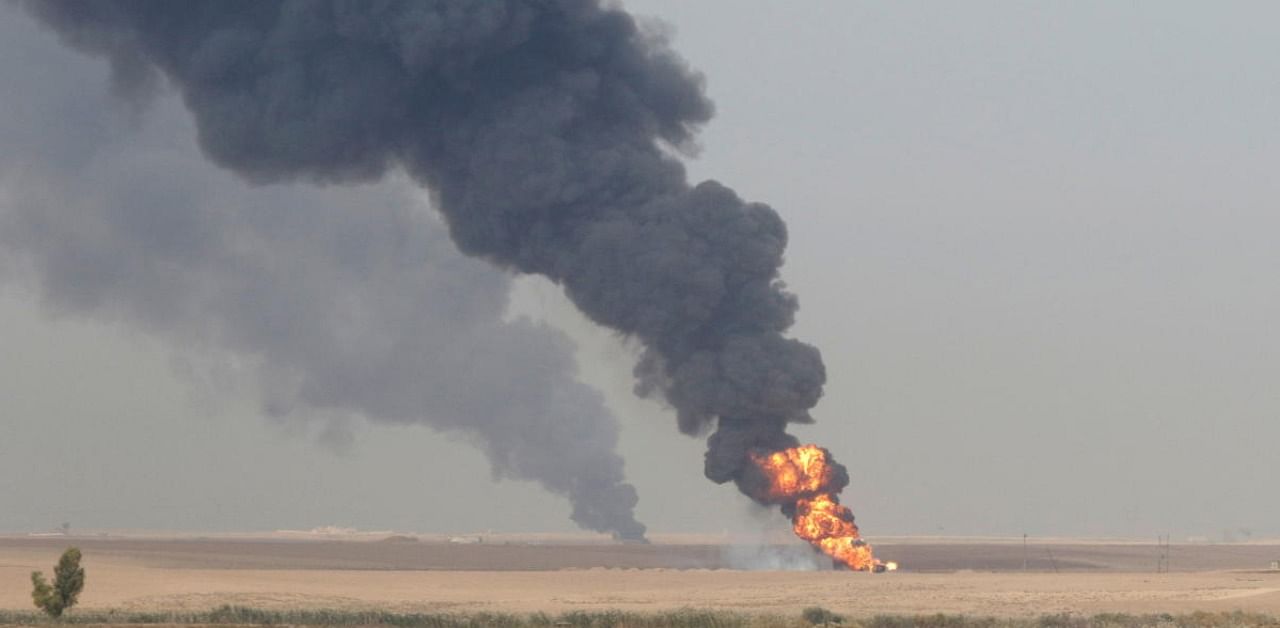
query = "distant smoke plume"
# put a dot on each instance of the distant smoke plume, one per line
(540, 127)
(343, 301)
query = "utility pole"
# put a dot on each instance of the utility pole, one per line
(1024, 551)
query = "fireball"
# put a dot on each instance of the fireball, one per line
(795, 472)
(801, 478)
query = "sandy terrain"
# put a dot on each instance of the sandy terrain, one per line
(979, 578)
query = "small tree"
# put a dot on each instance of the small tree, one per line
(68, 580)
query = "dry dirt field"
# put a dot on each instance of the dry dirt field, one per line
(938, 576)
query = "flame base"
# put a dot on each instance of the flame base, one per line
(801, 479)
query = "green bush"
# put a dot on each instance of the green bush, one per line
(68, 581)
(818, 615)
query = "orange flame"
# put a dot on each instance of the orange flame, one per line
(795, 472)
(802, 476)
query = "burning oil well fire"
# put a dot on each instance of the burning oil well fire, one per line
(806, 483)
(545, 131)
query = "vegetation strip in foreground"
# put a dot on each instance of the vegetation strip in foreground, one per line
(238, 615)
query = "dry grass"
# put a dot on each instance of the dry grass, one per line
(688, 618)
(156, 581)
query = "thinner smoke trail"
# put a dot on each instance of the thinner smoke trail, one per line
(350, 301)
(539, 126)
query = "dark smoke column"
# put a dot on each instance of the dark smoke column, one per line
(539, 126)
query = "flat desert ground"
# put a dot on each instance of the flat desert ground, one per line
(974, 577)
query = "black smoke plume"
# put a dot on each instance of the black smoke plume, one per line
(543, 129)
(332, 303)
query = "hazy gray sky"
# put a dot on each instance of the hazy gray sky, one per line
(1033, 241)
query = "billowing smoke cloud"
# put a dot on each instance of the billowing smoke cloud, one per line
(542, 127)
(344, 301)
